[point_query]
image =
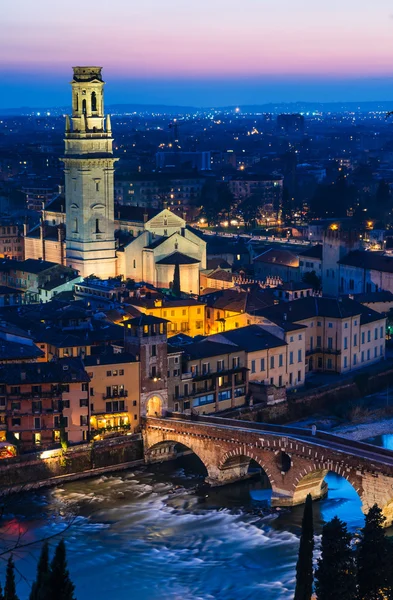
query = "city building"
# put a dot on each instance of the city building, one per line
(38, 400)
(311, 260)
(275, 355)
(214, 377)
(114, 393)
(277, 262)
(269, 188)
(145, 337)
(184, 315)
(362, 272)
(40, 279)
(337, 243)
(234, 308)
(341, 335)
(11, 240)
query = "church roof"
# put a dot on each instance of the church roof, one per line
(134, 213)
(157, 243)
(178, 258)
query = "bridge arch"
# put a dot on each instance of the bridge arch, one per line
(234, 465)
(312, 481)
(170, 449)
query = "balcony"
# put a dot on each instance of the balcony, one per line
(320, 350)
(116, 395)
(112, 412)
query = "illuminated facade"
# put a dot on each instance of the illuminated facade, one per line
(89, 171)
(114, 393)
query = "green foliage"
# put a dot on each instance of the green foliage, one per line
(333, 200)
(40, 587)
(176, 281)
(304, 568)
(60, 584)
(10, 588)
(216, 198)
(374, 559)
(336, 572)
(311, 278)
(361, 381)
(251, 209)
(63, 435)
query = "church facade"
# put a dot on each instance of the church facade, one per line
(85, 236)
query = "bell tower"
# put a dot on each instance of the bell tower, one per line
(89, 171)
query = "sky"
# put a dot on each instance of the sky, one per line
(199, 52)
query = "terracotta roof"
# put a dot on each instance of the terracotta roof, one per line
(313, 252)
(220, 275)
(376, 261)
(278, 257)
(178, 258)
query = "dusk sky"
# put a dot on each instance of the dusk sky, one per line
(200, 53)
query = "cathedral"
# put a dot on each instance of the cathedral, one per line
(80, 229)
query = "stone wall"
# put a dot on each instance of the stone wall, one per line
(307, 402)
(51, 467)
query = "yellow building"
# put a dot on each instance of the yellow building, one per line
(234, 308)
(114, 393)
(274, 356)
(185, 315)
(214, 377)
(341, 336)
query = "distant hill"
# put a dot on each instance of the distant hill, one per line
(275, 108)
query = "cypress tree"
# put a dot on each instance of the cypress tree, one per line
(39, 590)
(336, 572)
(10, 587)
(176, 281)
(1, 593)
(374, 558)
(60, 584)
(304, 570)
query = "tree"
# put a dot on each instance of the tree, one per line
(286, 205)
(304, 570)
(176, 281)
(60, 584)
(336, 572)
(311, 278)
(373, 558)
(383, 195)
(251, 209)
(39, 590)
(10, 588)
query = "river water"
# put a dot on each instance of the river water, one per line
(148, 534)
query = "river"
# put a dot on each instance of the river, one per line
(148, 534)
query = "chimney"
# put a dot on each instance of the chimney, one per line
(98, 360)
(145, 217)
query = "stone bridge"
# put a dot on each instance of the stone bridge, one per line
(294, 460)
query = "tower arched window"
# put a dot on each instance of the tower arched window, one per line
(98, 226)
(93, 101)
(76, 102)
(84, 106)
(75, 225)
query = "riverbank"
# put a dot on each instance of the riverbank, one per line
(363, 431)
(54, 467)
